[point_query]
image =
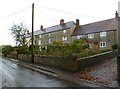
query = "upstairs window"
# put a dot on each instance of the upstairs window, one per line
(64, 31)
(102, 34)
(49, 34)
(79, 36)
(39, 36)
(90, 35)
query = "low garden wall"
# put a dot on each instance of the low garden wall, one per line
(11, 56)
(69, 63)
(92, 60)
(24, 57)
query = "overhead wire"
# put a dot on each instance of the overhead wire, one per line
(66, 12)
(15, 13)
(41, 12)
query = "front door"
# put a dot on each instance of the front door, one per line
(96, 45)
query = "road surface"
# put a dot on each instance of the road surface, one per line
(14, 75)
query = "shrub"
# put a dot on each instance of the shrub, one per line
(114, 47)
(36, 49)
(7, 49)
(23, 50)
(79, 45)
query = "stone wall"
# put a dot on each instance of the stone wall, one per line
(86, 62)
(70, 63)
(24, 57)
(12, 56)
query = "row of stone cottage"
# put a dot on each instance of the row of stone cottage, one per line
(99, 35)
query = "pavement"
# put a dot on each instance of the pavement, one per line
(103, 74)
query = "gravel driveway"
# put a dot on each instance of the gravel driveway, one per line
(104, 73)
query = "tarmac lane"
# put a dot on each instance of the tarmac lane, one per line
(0, 74)
(14, 75)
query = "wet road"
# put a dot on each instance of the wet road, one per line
(14, 75)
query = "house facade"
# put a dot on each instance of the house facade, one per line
(102, 34)
(99, 35)
(46, 36)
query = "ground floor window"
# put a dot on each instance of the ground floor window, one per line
(50, 40)
(40, 42)
(64, 38)
(90, 45)
(102, 44)
(40, 48)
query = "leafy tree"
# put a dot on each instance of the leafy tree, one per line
(18, 32)
(57, 43)
(79, 45)
(7, 49)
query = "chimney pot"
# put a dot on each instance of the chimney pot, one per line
(77, 23)
(41, 27)
(28, 32)
(116, 14)
(61, 22)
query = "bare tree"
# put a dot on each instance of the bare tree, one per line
(19, 32)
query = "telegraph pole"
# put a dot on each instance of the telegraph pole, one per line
(118, 58)
(32, 53)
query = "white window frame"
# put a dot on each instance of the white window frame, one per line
(49, 34)
(102, 34)
(64, 31)
(91, 35)
(64, 38)
(40, 48)
(40, 42)
(50, 40)
(102, 44)
(79, 36)
(39, 36)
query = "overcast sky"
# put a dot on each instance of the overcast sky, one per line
(49, 12)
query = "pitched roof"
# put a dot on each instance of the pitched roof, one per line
(105, 25)
(53, 28)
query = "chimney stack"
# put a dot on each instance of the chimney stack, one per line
(28, 32)
(116, 14)
(61, 22)
(77, 23)
(41, 27)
